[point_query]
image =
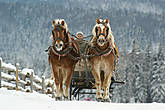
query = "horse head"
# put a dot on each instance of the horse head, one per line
(102, 33)
(59, 33)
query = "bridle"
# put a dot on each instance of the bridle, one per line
(107, 31)
(59, 27)
(95, 49)
(68, 47)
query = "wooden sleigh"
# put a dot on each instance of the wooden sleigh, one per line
(83, 79)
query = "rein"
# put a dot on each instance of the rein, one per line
(65, 52)
(61, 53)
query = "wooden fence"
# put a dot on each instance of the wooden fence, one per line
(13, 78)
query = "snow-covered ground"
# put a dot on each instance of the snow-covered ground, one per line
(16, 100)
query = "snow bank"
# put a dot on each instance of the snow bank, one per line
(12, 100)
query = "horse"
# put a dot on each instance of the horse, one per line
(103, 52)
(63, 56)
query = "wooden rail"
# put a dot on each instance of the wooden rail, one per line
(11, 77)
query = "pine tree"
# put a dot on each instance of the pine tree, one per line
(158, 77)
(146, 72)
(135, 47)
(140, 87)
(134, 88)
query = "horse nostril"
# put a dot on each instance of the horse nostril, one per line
(60, 45)
(56, 45)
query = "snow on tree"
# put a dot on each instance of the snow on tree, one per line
(158, 77)
(146, 66)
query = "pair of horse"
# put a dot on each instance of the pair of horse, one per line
(64, 53)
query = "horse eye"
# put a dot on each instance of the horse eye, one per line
(60, 45)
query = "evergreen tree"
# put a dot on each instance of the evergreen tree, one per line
(140, 87)
(158, 77)
(147, 72)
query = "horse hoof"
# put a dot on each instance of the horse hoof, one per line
(66, 98)
(99, 99)
(107, 100)
(58, 99)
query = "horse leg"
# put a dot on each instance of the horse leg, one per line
(67, 83)
(96, 75)
(60, 83)
(57, 82)
(106, 85)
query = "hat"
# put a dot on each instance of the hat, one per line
(79, 33)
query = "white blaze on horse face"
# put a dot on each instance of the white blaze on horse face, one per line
(101, 39)
(59, 45)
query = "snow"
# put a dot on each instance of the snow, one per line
(37, 79)
(7, 76)
(16, 100)
(37, 86)
(9, 66)
(26, 70)
(48, 81)
(6, 84)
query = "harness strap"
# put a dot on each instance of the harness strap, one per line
(99, 52)
(71, 42)
(61, 53)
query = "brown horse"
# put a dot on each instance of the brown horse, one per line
(63, 55)
(103, 52)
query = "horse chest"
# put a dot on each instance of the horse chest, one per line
(63, 62)
(101, 62)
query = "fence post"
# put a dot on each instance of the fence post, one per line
(43, 84)
(31, 81)
(0, 70)
(16, 74)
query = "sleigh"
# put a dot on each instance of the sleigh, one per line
(83, 79)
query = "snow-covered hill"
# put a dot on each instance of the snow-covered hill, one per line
(12, 100)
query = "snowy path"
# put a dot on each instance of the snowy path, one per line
(12, 100)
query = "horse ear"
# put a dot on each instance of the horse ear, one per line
(62, 22)
(107, 21)
(98, 21)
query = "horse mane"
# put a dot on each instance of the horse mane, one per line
(110, 35)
